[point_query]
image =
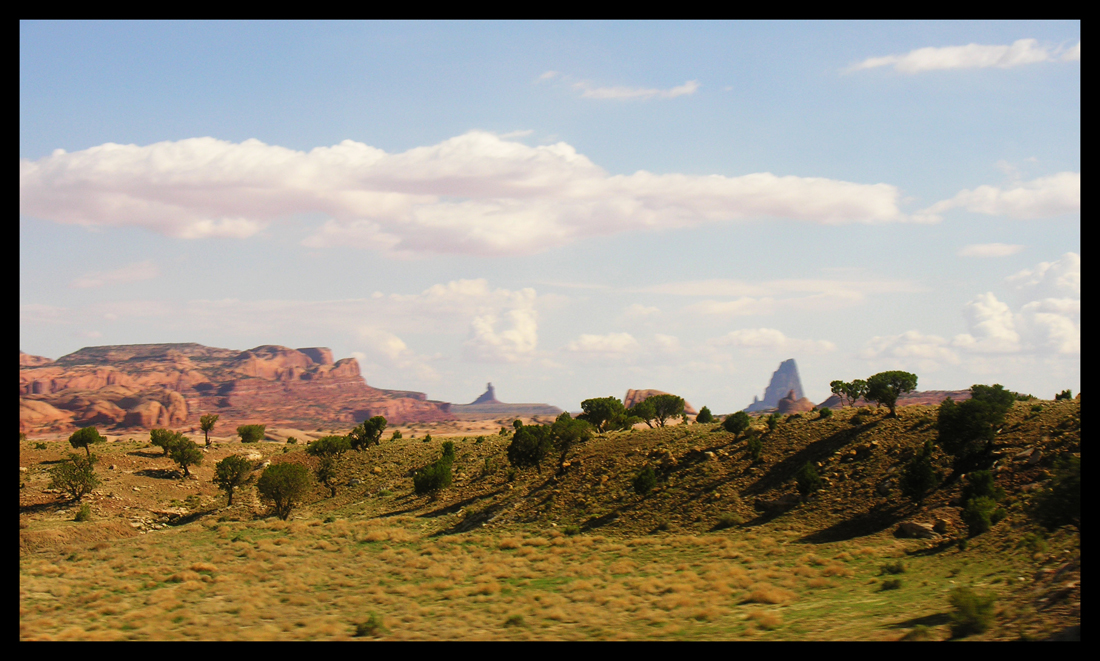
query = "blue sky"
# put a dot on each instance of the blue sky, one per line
(565, 209)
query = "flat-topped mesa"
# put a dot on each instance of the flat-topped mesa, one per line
(168, 385)
(635, 396)
(784, 380)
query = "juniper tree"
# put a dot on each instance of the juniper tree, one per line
(283, 485)
(84, 438)
(886, 387)
(76, 476)
(232, 472)
(185, 452)
(207, 423)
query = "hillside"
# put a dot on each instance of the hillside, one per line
(709, 554)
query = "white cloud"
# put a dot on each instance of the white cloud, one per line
(1044, 197)
(910, 350)
(1056, 279)
(588, 91)
(970, 56)
(990, 250)
(513, 344)
(610, 345)
(770, 339)
(1073, 54)
(637, 310)
(991, 327)
(386, 350)
(667, 343)
(131, 273)
(476, 193)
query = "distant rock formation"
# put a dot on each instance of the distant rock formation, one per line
(488, 397)
(792, 404)
(924, 397)
(171, 385)
(487, 406)
(635, 396)
(784, 380)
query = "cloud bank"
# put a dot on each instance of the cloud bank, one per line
(1044, 197)
(473, 194)
(970, 56)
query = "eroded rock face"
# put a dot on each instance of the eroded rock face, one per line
(635, 396)
(171, 385)
(792, 404)
(27, 360)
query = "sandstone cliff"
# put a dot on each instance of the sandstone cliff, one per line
(171, 385)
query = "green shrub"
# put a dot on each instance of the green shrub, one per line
(436, 475)
(973, 612)
(251, 433)
(85, 438)
(185, 453)
(372, 627)
(76, 476)
(729, 520)
(85, 513)
(644, 481)
(1060, 503)
(1034, 543)
(978, 513)
(515, 620)
(825, 412)
(1064, 395)
(530, 445)
(967, 429)
(291, 440)
(1036, 408)
(572, 530)
(773, 421)
(284, 486)
(807, 479)
(981, 483)
(232, 472)
(892, 568)
(704, 416)
(737, 423)
(396, 436)
(491, 466)
(891, 584)
(39, 446)
(919, 477)
(755, 448)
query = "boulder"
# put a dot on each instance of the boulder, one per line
(147, 414)
(918, 530)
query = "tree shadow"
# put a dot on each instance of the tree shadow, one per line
(934, 620)
(39, 508)
(454, 507)
(160, 473)
(944, 545)
(148, 454)
(782, 471)
(877, 519)
(601, 521)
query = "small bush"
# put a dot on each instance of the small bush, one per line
(663, 526)
(232, 472)
(1036, 408)
(704, 416)
(1060, 503)
(436, 475)
(39, 446)
(284, 486)
(977, 515)
(291, 440)
(773, 421)
(85, 513)
(973, 612)
(396, 436)
(755, 448)
(980, 483)
(807, 479)
(1064, 395)
(514, 621)
(891, 584)
(825, 412)
(644, 481)
(76, 476)
(737, 423)
(572, 530)
(1034, 543)
(372, 627)
(892, 568)
(251, 433)
(729, 520)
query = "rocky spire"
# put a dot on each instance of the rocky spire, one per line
(784, 380)
(488, 397)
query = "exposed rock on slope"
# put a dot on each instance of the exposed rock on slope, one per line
(784, 380)
(488, 406)
(790, 404)
(635, 396)
(170, 385)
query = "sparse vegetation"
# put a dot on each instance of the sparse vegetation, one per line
(644, 481)
(232, 472)
(807, 479)
(84, 514)
(773, 421)
(1064, 395)
(919, 476)
(755, 448)
(371, 627)
(436, 475)
(1060, 503)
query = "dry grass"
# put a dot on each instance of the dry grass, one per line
(765, 593)
(766, 620)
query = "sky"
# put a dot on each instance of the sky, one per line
(567, 210)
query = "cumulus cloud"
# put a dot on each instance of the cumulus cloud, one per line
(970, 56)
(990, 250)
(609, 345)
(1044, 197)
(514, 343)
(1073, 54)
(909, 350)
(146, 270)
(476, 193)
(991, 327)
(1060, 278)
(770, 339)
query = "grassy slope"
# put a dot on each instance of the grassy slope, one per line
(488, 559)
